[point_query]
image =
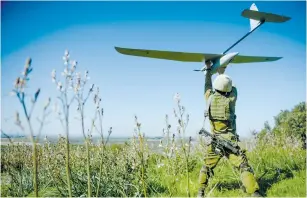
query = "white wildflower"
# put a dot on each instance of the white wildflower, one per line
(71, 84)
(59, 86)
(178, 128)
(73, 65)
(160, 165)
(65, 72)
(177, 97)
(66, 53)
(66, 57)
(53, 75)
(78, 82)
(76, 89)
(86, 77)
(160, 145)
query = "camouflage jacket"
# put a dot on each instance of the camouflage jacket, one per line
(221, 126)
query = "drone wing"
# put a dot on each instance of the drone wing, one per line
(168, 55)
(190, 57)
(264, 16)
(251, 59)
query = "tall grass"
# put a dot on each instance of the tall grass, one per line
(181, 129)
(19, 91)
(139, 167)
(63, 88)
(128, 170)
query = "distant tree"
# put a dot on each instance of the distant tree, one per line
(297, 121)
(292, 122)
(267, 127)
(262, 133)
(281, 117)
(289, 123)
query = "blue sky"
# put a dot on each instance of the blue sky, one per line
(145, 87)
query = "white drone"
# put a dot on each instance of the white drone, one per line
(218, 60)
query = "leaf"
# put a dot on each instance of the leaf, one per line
(36, 94)
(29, 71)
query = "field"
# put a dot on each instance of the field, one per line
(141, 166)
(132, 169)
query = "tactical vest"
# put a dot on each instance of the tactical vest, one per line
(219, 107)
(220, 110)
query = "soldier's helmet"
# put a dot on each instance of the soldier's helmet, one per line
(222, 83)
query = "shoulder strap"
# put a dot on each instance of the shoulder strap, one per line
(208, 105)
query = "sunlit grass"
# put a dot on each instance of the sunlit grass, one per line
(170, 168)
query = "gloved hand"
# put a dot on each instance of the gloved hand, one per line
(207, 66)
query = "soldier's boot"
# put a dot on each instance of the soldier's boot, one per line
(250, 183)
(201, 193)
(248, 179)
(256, 194)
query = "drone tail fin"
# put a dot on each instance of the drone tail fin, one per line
(256, 18)
(253, 23)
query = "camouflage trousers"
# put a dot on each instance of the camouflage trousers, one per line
(238, 161)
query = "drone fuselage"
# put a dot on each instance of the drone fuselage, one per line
(223, 61)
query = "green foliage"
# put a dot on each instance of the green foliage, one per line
(287, 124)
(291, 187)
(116, 147)
(4, 185)
(279, 168)
(292, 123)
(46, 192)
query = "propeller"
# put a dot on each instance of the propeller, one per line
(201, 70)
(205, 67)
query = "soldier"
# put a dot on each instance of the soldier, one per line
(221, 112)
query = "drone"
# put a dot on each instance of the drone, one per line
(218, 61)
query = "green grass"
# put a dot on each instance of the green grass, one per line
(294, 186)
(280, 171)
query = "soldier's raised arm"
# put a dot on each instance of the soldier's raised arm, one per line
(208, 81)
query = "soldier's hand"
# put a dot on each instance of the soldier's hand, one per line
(208, 64)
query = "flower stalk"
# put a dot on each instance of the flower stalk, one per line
(182, 125)
(19, 91)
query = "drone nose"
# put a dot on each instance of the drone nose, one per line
(233, 55)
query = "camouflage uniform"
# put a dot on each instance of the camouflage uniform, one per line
(227, 129)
